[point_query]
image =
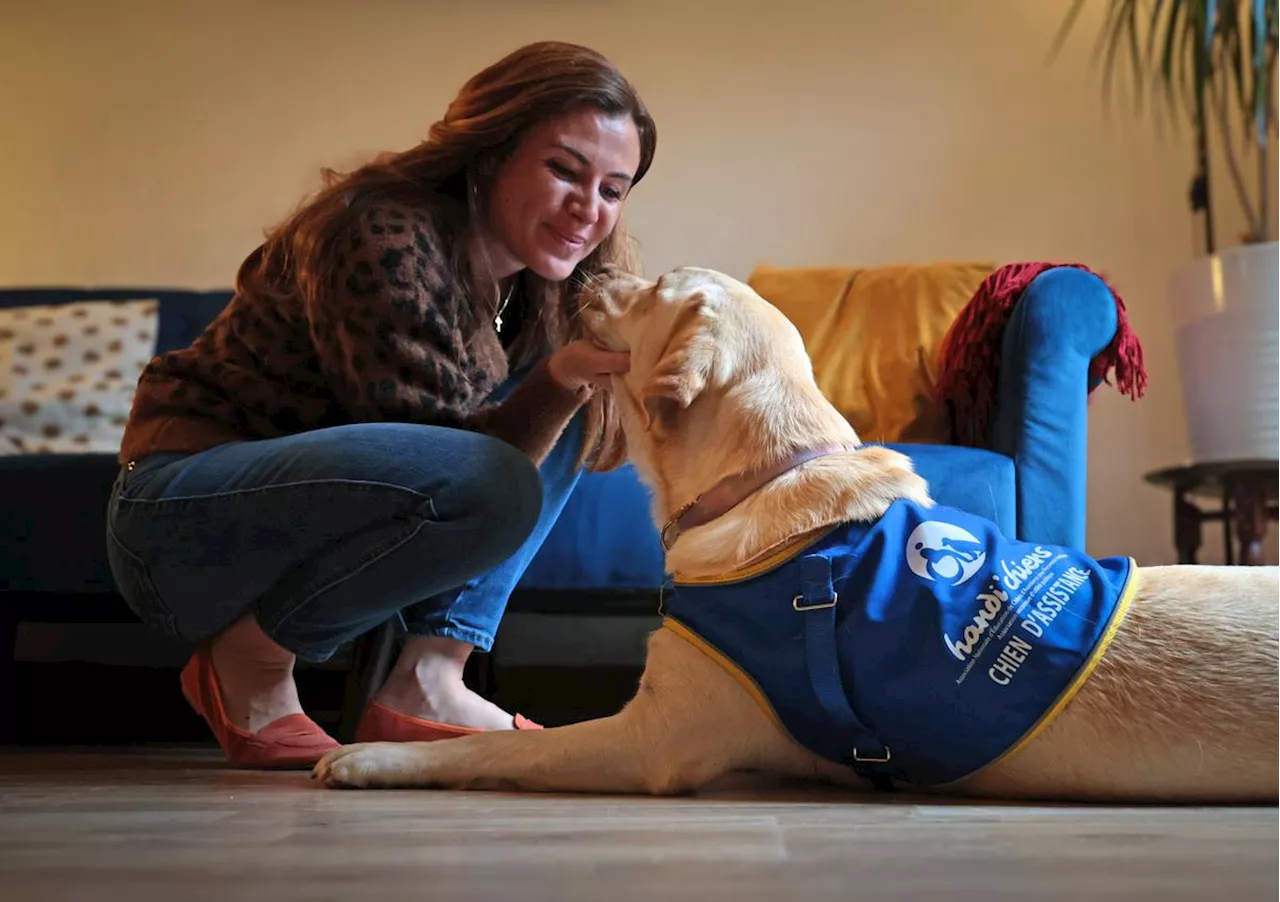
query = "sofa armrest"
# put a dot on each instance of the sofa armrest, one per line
(1065, 317)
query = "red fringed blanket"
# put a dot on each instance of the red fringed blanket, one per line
(970, 361)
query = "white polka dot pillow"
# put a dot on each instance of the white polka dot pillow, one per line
(68, 373)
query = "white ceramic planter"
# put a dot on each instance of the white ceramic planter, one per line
(1226, 319)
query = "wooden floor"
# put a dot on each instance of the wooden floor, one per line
(173, 825)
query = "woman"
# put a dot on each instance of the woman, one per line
(388, 416)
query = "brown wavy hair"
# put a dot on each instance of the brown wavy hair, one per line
(451, 171)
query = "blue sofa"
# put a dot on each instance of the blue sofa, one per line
(1031, 481)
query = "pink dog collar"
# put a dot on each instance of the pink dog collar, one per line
(731, 491)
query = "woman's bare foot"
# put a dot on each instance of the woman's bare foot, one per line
(255, 676)
(426, 682)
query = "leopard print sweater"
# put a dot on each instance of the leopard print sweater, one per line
(389, 341)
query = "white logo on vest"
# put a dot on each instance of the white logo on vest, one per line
(942, 552)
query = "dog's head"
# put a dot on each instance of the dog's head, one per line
(719, 377)
(670, 328)
(691, 334)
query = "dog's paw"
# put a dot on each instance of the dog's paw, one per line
(372, 765)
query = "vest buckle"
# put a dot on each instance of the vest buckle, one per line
(881, 759)
(798, 604)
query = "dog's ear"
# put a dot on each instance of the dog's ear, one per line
(682, 371)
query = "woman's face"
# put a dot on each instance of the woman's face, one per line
(560, 193)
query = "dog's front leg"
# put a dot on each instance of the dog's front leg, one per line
(596, 756)
(688, 724)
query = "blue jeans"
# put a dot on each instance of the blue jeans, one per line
(327, 534)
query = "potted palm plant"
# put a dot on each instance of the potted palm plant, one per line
(1212, 63)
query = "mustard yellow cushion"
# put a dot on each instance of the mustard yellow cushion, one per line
(874, 335)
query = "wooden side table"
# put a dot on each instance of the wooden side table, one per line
(1246, 492)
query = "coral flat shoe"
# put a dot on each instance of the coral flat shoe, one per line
(380, 724)
(294, 741)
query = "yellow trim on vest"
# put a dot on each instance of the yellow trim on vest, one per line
(1117, 617)
(772, 561)
(727, 665)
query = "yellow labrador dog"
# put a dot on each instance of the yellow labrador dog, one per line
(761, 487)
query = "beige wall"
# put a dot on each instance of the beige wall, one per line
(151, 142)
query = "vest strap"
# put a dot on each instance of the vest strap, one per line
(817, 603)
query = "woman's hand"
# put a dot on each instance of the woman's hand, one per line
(580, 365)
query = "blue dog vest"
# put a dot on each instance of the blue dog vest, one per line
(921, 647)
